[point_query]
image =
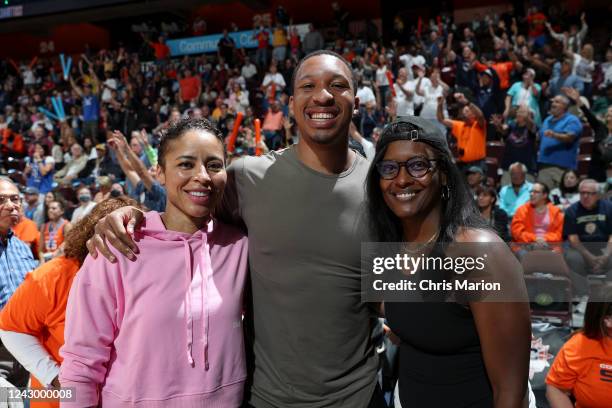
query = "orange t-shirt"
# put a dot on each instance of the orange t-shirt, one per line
(38, 308)
(584, 366)
(189, 87)
(503, 70)
(28, 232)
(471, 139)
(161, 50)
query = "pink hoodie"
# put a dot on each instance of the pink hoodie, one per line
(164, 331)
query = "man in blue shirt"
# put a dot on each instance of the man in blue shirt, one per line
(16, 258)
(91, 108)
(16, 261)
(558, 142)
(513, 195)
(565, 79)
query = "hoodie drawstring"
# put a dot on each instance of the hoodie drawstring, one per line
(188, 314)
(206, 268)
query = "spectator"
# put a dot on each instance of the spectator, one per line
(53, 231)
(382, 82)
(558, 142)
(572, 39)
(28, 232)
(475, 177)
(364, 90)
(226, 48)
(470, 132)
(584, 67)
(487, 93)
(514, 195)
(520, 136)
(567, 192)
(313, 40)
(430, 91)
(495, 216)
(248, 71)
(565, 79)
(16, 260)
(370, 119)
(85, 205)
(11, 143)
(109, 85)
(40, 169)
(295, 43)
(161, 50)
(138, 175)
(71, 170)
(33, 321)
(91, 107)
(33, 207)
(263, 41)
(238, 99)
(580, 370)
(588, 227)
(525, 93)
(190, 88)
(279, 42)
(272, 126)
(537, 221)
(404, 94)
(537, 26)
(273, 83)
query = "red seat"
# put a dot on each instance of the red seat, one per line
(496, 149)
(584, 162)
(586, 145)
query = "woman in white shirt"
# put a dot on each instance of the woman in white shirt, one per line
(584, 67)
(381, 79)
(431, 89)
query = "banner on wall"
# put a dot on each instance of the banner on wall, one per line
(208, 43)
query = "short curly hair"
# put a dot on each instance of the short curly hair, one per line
(75, 243)
(177, 130)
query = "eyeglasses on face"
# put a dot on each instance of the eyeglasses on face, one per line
(588, 193)
(416, 167)
(14, 198)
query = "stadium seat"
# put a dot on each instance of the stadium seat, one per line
(14, 164)
(17, 176)
(586, 145)
(548, 285)
(496, 148)
(492, 168)
(584, 162)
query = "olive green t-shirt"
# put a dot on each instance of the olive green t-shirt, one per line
(310, 333)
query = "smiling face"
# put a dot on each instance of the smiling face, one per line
(194, 176)
(323, 100)
(55, 211)
(408, 197)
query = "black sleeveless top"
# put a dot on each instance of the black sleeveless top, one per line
(440, 358)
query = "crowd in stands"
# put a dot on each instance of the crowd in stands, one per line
(524, 99)
(521, 97)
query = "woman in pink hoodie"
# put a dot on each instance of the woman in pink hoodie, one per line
(165, 330)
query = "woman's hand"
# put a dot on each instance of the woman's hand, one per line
(117, 228)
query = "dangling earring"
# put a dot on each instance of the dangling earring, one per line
(445, 193)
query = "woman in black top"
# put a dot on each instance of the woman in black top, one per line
(492, 214)
(451, 355)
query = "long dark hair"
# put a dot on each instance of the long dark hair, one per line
(597, 311)
(568, 190)
(458, 211)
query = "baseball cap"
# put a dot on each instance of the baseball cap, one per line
(487, 72)
(416, 129)
(31, 190)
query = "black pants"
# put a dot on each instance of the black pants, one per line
(377, 401)
(11, 370)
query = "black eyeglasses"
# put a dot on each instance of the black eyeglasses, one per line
(416, 167)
